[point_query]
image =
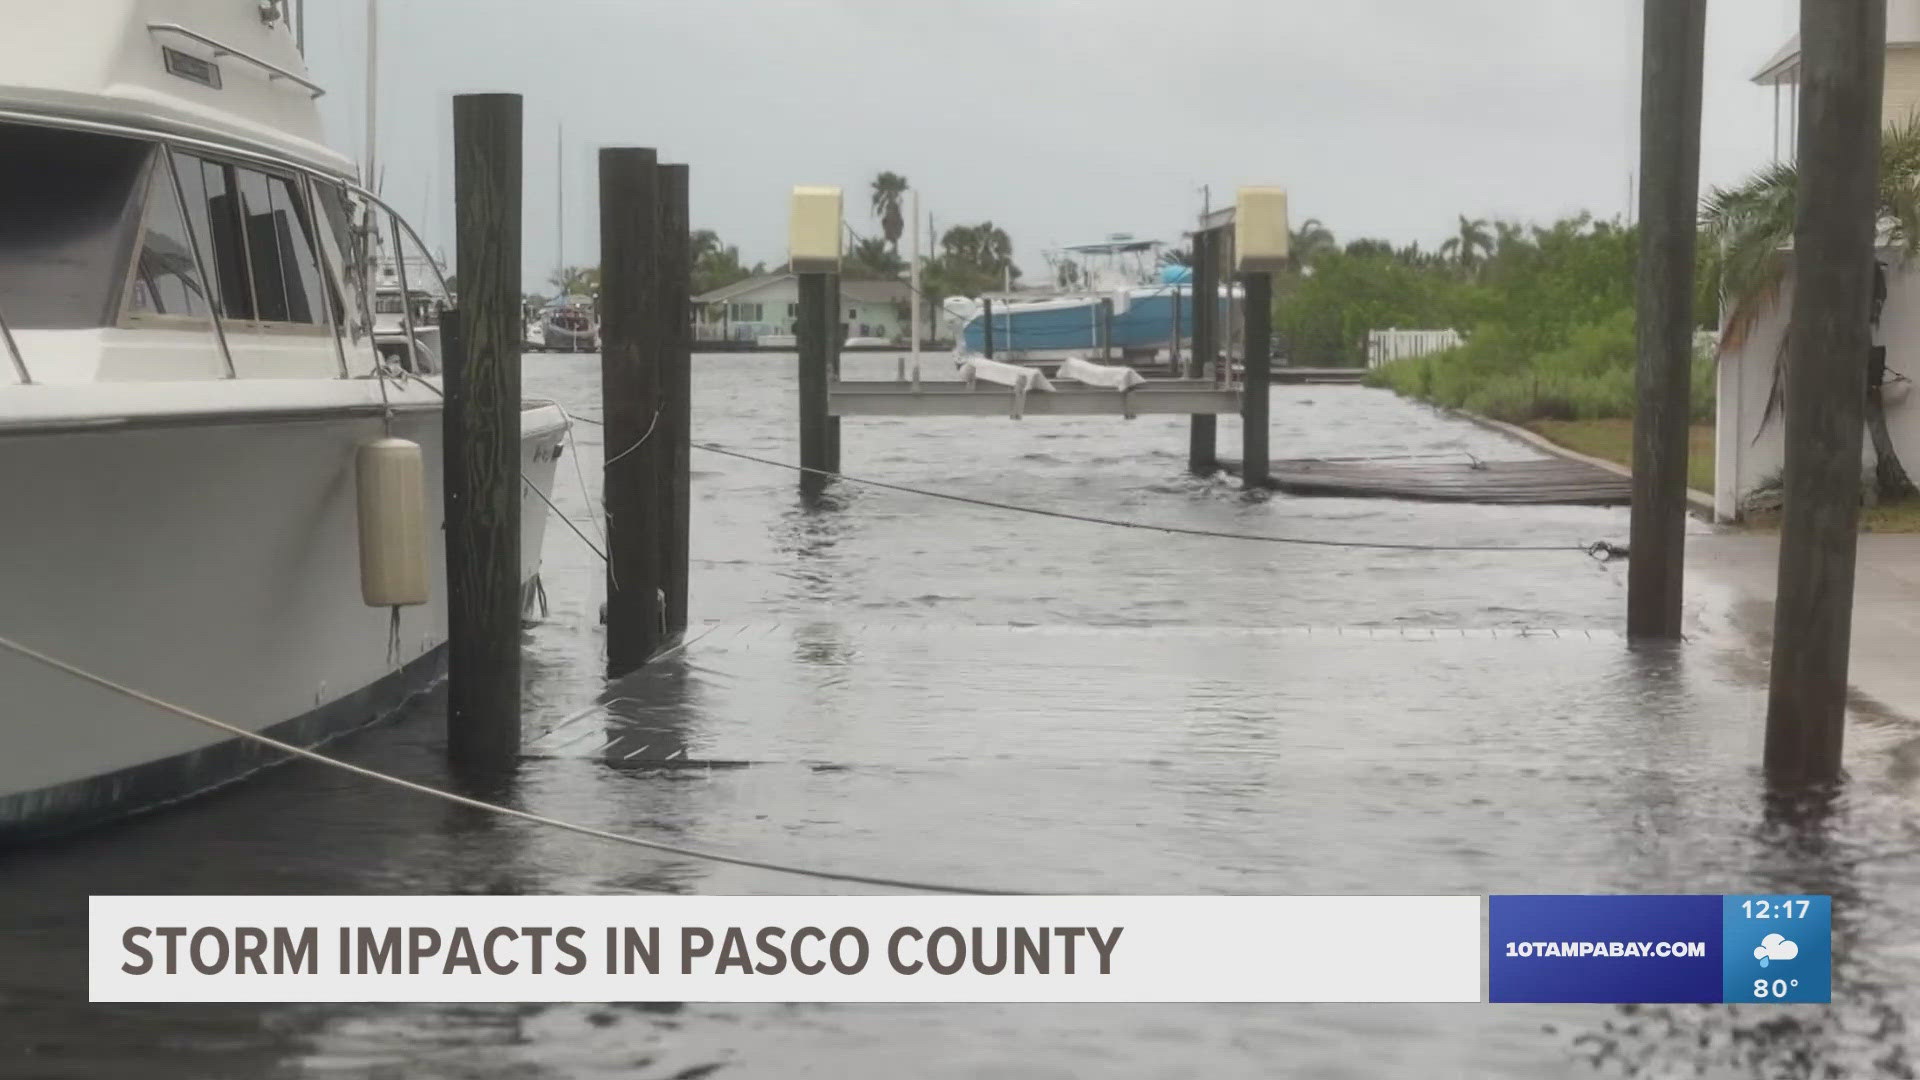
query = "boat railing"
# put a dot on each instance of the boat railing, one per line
(274, 71)
(13, 352)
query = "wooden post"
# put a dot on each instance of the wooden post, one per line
(481, 457)
(1106, 329)
(1842, 79)
(1173, 349)
(676, 415)
(816, 331)
(835, 341)
(1254, 400)
(634, 335)
(1203, 431)
(986, 321)
(1675, 51)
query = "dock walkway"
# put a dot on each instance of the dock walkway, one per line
(1544, 481)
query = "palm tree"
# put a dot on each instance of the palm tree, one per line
(577, 281)
(1471, 245)
(871, 258)
(1750, 227)
(887, 189)
(1312, 240)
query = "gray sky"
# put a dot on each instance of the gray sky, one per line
(1061, 120)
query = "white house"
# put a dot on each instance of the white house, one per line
(1749, 449)
(768, 305)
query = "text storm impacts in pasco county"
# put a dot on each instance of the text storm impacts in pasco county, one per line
(628, 950)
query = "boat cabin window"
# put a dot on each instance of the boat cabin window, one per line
(166, 277)
(70, 207)
(262, 239)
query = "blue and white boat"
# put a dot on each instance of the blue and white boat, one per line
(1152, 310)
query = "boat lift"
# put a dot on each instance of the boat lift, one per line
(1250, 237)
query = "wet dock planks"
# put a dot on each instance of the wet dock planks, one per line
(1539, 482)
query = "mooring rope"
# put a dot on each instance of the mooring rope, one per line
(535, 488)
(1601, 550)
(477, 804)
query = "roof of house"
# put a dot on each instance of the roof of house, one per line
(1903, 30)
(859, 291)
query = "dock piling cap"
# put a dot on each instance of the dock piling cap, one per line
(813, 233)
(1261, 240)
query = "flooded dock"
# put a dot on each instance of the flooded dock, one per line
(893, 685)
(1469, 479)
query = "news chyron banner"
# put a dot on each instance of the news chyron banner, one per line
(960, 949)
(1660, 949)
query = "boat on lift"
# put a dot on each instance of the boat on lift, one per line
(190, 399)
(1116, 300)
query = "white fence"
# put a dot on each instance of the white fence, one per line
(1386, 346)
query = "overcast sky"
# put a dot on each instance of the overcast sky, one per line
(1060, 120)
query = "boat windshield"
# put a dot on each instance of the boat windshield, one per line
(69, 217)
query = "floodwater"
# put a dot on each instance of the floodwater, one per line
(941, 692)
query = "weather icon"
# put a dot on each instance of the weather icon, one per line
(1774, 947)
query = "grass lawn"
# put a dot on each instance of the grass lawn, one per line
(1613, 440)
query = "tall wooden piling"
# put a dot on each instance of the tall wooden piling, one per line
(836, 341)
(635, 335)
(1674, 55)
(1842, 76)
(1203, 431)
(986, 328)
(481, 457)
(676, 415)
(1106, 329)
(818, 325)
(1255, 401)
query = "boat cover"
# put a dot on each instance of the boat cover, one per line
(1089, 373)
(995, 371)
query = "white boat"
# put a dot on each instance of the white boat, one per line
(187, 376)
(1116, 301)
(406, 308)
(570, 324)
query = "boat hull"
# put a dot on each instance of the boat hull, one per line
(1062, 327)
(213, 565)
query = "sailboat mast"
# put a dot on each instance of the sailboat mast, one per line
(560, 208)
(373, 91)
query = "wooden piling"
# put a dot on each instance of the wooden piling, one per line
(1106, 329)
(986, 322)
(836, 340)
(1842, 76)
(676, 416)
(817, 327)
(481, 426)
(1203, 431)
(1173, 348)
(1674, 55)
(1255, 402)
(634, 337)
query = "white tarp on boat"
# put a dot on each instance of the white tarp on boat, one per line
(1089, 373)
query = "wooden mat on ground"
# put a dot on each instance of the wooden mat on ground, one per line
(1548, 480)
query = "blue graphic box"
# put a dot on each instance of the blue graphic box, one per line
(1612, 949)
(1778, 949)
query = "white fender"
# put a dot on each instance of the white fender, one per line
(390, 476)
